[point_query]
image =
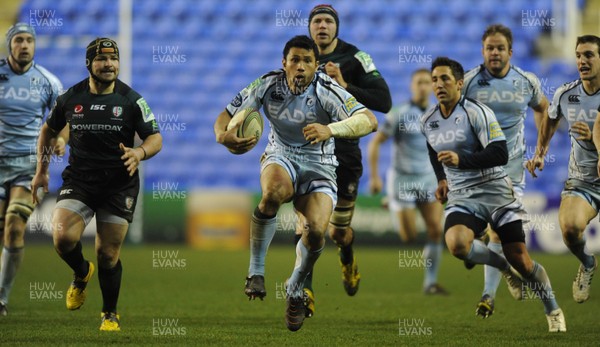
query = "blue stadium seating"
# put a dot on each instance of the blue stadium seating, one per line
(228, 44)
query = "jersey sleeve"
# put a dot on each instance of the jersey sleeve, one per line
(336, 101)
(51, 89)
(57, 89)
(368, 86)
(391, 123)
(536, 94)
(484, 124)
(554, 111)
(367, 64)
(251, 96)
(56, 119)
(145, 122)
(469, 76)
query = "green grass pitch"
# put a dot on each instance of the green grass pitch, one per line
(179, 296)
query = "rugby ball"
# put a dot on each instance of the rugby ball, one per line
(251, 125)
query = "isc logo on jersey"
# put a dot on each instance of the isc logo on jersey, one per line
(447, 137)
(98, 107)
(504, 96)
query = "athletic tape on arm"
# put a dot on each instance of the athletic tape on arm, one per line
(352, 128)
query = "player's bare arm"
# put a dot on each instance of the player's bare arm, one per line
(375, 181)
(441, 193)
(540, 112)
(547, 129)
(229, 138)
(41, 177)
(59, 144)
(133, 156)
(596, 137)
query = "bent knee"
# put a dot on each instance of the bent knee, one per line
(457, 245)
(107, 256)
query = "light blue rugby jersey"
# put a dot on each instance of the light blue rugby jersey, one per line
(24, 101)
(575, 105)
(468, 129)
(509, 97)
(409, 152)
(324, 102)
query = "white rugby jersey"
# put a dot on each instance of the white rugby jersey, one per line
(573, 103)
(468, 129)
(324, 102)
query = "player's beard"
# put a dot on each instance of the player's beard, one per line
(105, 80)
(23, 62)
(497, 69)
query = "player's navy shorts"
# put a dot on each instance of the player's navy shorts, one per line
(16, 172)
(348, 171)
(584, 190)
(111, 190)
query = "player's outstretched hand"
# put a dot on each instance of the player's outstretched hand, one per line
(132, 157)
(316, 133)
(39, 181)
(441, 193)
(234, 143)
(583, 130)
(375, 185)
(448, 158)
(536, 162)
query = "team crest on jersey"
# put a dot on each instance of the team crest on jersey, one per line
(117, 111)
(276, 96)
(483, 83)
(129, 202)
(310, 101)
(458, 120)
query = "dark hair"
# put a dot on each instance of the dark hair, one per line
(588, 39)
(457, 70)
(301, 41)
(418, 71)
(498, 29)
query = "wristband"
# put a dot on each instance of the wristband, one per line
(143, 151)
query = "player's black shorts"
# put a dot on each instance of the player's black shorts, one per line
(111, 189)
(349, 170)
